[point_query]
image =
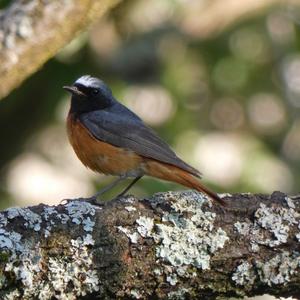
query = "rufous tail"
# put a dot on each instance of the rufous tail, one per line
(172, 173)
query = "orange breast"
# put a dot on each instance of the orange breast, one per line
(100, 156)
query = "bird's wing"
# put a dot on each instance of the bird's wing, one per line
(120, 127)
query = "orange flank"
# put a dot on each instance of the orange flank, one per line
(98, 155)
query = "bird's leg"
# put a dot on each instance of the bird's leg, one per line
(129, 186)
(93, 199)
(109, 187)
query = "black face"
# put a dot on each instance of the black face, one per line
(89, 94)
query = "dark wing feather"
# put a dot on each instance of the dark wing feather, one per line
(120, 127)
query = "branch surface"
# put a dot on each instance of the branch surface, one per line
(32, 31)
(174, 245)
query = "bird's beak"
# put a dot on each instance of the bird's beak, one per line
(74, 90)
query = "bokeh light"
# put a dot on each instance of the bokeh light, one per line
(291, 75)
(152, 103)
(32, 180)
(250, 45)
(268, 174)
(280, 27)
(146, 15)
(266, 113)
(291, 143)
(230, 74)
(220, 158)
(104, 38)
(227, 114)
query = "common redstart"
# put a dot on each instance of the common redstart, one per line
(110, 139)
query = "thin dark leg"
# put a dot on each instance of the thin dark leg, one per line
(129, 186)
(109, 187)
(93, 199)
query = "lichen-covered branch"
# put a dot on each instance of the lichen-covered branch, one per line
(32, 31)
(174, 245)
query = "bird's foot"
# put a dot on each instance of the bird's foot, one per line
(92, 200)
(118, 197)
(124, 198)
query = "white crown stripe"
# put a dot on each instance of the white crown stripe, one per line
(94, 83)
(86, 80)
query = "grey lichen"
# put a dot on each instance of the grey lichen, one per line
(175, 240)
(16, 22)
(26, 259)
(135, 294)
(277, 220)
(157, 272)
(14, 295)
(254, 247)
(187, 235)
(180, 294)
(172, 279)
(130, 208)
(31, 219)
(298, 234)
(290, 202)
(244, 274)
(10, 240)
(272, 227)
(78, 210)
(279, 269)
(145, 226)
(20, 24)
(242, 228)
(133, 237)
(184, 236)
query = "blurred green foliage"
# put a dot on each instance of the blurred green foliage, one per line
(233, 86)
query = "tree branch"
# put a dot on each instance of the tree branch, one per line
(174, 245)
(32, 31)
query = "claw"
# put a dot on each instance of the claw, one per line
(92, 200)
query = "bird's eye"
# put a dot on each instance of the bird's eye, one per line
(95, 91)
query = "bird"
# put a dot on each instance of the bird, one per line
(110, 139)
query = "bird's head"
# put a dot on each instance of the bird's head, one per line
(89, 93)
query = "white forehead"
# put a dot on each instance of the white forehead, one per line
(88, 81)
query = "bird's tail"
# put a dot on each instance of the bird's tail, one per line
(172, 173)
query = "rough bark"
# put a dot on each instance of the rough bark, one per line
(32, 31)
(174, 245)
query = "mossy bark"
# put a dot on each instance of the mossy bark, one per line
(175, 245)
(31, 32)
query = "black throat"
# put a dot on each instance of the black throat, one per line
(81, 105)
